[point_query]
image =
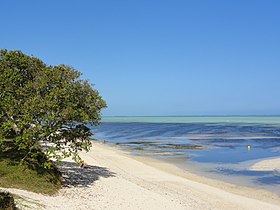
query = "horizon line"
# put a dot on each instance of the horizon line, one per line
(256, 115)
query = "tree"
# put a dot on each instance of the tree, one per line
(45, 105)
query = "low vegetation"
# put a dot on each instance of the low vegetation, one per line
(29, 176)
(7, 201)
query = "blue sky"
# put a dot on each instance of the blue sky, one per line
(147, 57)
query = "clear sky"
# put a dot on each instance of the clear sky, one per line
(158, 57)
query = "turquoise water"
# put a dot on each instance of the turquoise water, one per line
(215, 147)
(273, 120)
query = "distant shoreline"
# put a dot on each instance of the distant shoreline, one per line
(262, 119)
(262, 115)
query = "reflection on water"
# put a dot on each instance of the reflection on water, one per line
(220, 146)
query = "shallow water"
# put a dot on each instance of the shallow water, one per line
(216, 148)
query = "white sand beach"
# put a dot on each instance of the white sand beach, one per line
(117, 180)
(267, 165)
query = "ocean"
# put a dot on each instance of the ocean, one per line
(218, 147)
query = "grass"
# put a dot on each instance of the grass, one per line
(14, 175)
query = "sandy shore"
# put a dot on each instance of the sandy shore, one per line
(116, 180)
(267, 165)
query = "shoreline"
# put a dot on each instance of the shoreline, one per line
(117, 180)
(267, 164)
(182, 171)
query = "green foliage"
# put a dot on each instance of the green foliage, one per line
(45, 105)
(7, 201)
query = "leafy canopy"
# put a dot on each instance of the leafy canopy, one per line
(45, 105)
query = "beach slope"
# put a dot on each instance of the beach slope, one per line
(117, 180)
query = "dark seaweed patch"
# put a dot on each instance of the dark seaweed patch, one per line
(161, 145)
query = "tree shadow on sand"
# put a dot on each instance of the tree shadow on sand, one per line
(74, 176)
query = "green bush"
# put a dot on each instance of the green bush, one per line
(7, 201)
